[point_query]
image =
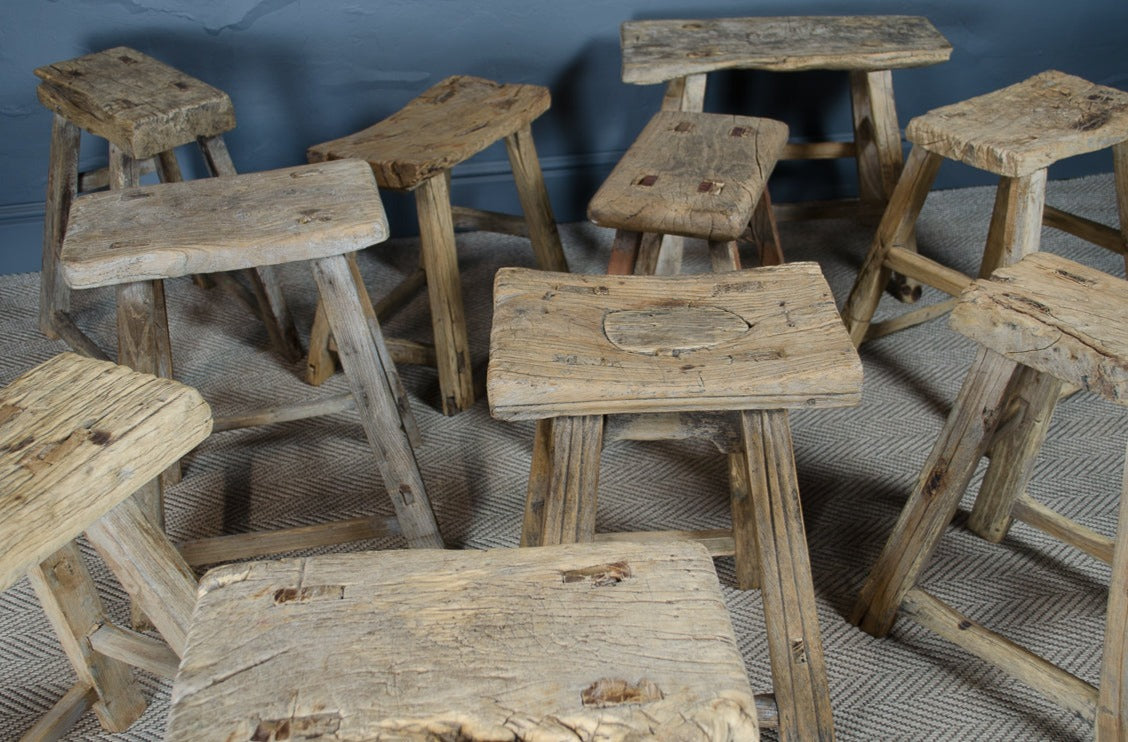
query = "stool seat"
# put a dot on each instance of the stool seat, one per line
(222, 224)
(1025, 127)
(139, 104)
(73, 425)
(766, 338)
(447, 124)
(691, 174)
(1055, 316)
(660, 50)
(608, 641)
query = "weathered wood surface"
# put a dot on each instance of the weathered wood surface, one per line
(134, 101)
(76, 425)
(559, 345)
(691, 174)
(656, 51)
(222, 224)
(1027, 126)
(448, 123)
(599, 641)
(62, 184)
(1054, 315)
(1112, 706)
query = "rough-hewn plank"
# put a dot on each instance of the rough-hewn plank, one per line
(448, 123)
(552, 643)
(202, 226)
(141, 105)
(656, 51)
(1027, 126)
(798, 353)
(691, 174)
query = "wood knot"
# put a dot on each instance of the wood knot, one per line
(308, 593)
(616, 692)
(600, 575)
(297, 727)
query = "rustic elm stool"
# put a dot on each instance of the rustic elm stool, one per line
(145, 110)
(133, 237)
(77, 438)
(1041, 322)
(607, 641)
(1017, 133)
(681, 53)
(720, 356)
(695, 175)
(414, 149)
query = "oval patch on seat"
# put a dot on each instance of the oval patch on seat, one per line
(671, 330)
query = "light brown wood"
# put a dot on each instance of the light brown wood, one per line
(1087, 229)
(798, 669)
(79, 425)
(534, 200)
(691, 174)
(895, 230)
(1026, 127)
(1120, 172)
(656, 51)
(176, 229)
(926, 270)
(876, 136)
(682, 94)
(717, 540)
(383, 425)
(286, 413)
(67, 593)
(574, 369)
(243, 546)
(765, 232)
(63, 715)
(719, 428)
(1064, 688)
(540, 480)
(445, 125)
(685, 93)
(138, 650)
(134, 101)
(636, 640)
(942, 481)
(62, 184)
(570, 501)
(1054, 315)
(1034, 513)
(466, 218)
(1112, 705)
(1016, 221)
(624, 252)
(743, 532)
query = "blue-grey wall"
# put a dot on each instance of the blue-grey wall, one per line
(301, 72)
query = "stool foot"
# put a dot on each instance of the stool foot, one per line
(798, 669)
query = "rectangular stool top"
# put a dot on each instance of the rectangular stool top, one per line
(1025, 127)
(1056, 316)
(657, 51)
(445, 125)
(78, 436)
(222, 224)
(766, 338)
(538, 643)
(143, 106)
(691, 174)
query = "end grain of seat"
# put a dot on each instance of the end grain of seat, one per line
(593, 641)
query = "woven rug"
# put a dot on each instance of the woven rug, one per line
(856, 467)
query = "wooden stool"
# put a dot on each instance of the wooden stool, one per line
(656, 353)
(682, 52)
(77, 438)
(414, 149)
(1041, 322)
(145, 109)
(1016, 133)
(609, 641)
(695, 175)
(133, 237)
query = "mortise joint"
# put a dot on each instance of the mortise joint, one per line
(616, 692)
(710, 186)
(647, 180)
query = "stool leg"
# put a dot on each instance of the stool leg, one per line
(62, 185)
(1120, 168)
(264, 281)
(444, 292)
(765, 232)
(794, 644)
(724, 256)
(540, 479)
(1016, 221)
(895, 229)
(624, 253)
(743, 524)
(68, 596)
(1014, 446)
(1112, 706)
(534, 201)
(570, 501)
(319, 360)
(877, 143)
(930, 508)
(368, 378)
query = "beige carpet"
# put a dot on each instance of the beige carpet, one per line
(856, 466)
